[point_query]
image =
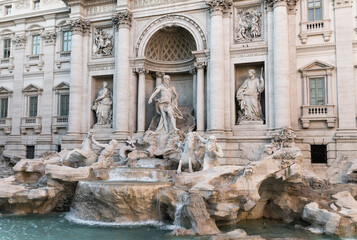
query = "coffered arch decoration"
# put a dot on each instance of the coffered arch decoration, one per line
(169, 22)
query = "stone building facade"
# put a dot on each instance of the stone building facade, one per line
(56, 54)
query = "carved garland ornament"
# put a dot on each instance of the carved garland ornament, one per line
(171, 19)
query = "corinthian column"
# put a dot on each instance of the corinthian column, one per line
(141, 99)
(200, 112)
(216, 81)
(281, 63)
(78, 27)
(121, 90)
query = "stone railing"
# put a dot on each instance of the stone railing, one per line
(59, 122)
(321, 27)
(318, 113)
(7, 63)
(33, 61)
(28, 123)
(5, 125)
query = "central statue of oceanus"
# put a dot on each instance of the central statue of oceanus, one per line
(166, 106)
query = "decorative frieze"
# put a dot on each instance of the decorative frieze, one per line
(343, 3)
(248, 24)
(79, 25)
(143, 3)
(219, 6)
(122, 19)
(97, 10)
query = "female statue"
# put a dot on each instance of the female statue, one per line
(103, 106)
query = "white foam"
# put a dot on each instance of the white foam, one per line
(72, 218)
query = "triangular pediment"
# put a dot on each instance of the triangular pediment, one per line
(62, 86)
(316, 65)
(32, 88)
(4, 90)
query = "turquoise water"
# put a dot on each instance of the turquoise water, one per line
(63, 227)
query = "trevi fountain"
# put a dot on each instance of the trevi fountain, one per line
(169, 184)
(178, 119)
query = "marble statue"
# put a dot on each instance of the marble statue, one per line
(189, 158)
(105, 158)
(103, 106)
(104, 43)
(248, 25)
(166, 106)
(85, 151)
(248, 96)
(212, 152)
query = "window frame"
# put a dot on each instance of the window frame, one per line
(29, 110)
(60, 104)
(1, 107)
(32, 91)
(66, 42)
(38, 44)
(314, 10)
(316, 90)
(7, 8)
(8, 50)
(36, 5)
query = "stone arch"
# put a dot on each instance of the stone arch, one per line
(35, 27)
(167, 21)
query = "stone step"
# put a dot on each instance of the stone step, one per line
(140, 174)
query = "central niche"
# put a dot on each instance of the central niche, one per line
(171, 44)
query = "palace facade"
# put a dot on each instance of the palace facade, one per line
(56, 54)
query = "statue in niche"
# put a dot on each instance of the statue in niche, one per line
(248, 96)
(103, 106)
(166, 106)
(212, 153)
(248, 25)
(104, 43)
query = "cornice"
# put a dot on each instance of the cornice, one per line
(313, 48)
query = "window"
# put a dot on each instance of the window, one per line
(7, 48)
(30, 152)
(33, 106)
(3, 107)
(318, 154)
(64, 105)
(8, 10)
(314, 10)
(36, 5)
(317, 91)
(35, 44)
(66, 41)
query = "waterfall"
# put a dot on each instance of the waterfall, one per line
(182, 201)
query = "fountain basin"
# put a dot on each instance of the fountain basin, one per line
(118, 201)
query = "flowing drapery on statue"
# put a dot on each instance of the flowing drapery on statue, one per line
(248, 96)
(103, 106)
(166, 106)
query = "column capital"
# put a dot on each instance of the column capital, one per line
(141, 70)
(158, 74)
(200, 64)
(49, 37)
(218, 7)
(277, 3)
(19, 41)
(79, 25)
(122, 19)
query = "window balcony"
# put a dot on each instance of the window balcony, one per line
(318, 113)
(5, 125)
(59, 122)
(321, 27)
(7, 63)
(28, 123)
(34, 61)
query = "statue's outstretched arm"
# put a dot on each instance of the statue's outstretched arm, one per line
(98, 144)
(201, 138)
(157, 90)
